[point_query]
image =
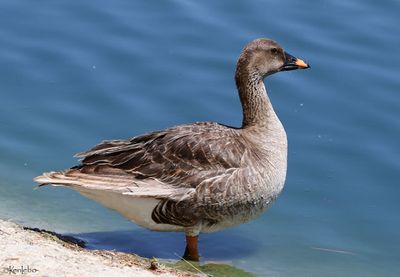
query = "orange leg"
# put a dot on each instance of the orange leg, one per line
(191, 251)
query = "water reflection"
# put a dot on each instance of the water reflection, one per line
(221, 246)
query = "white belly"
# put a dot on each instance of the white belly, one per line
(136, 209)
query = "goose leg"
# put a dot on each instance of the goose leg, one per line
(191, 251)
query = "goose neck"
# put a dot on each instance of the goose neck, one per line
(257, 108)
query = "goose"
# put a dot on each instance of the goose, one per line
(195, 178)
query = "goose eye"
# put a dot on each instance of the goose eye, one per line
(274, 50)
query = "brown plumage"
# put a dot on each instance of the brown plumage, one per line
(200, 177)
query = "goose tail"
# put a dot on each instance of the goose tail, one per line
(76, 180)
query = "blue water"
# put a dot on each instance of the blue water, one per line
(73, 73)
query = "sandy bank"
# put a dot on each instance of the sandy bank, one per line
(32, 253)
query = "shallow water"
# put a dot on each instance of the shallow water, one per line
(73, 73)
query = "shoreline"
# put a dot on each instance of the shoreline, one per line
(35, 252)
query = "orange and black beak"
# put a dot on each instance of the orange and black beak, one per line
(292, 63)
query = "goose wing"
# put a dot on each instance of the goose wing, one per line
(182, 156)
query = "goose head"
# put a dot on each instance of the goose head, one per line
(264, 57)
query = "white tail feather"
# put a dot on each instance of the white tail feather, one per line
(123, 184)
